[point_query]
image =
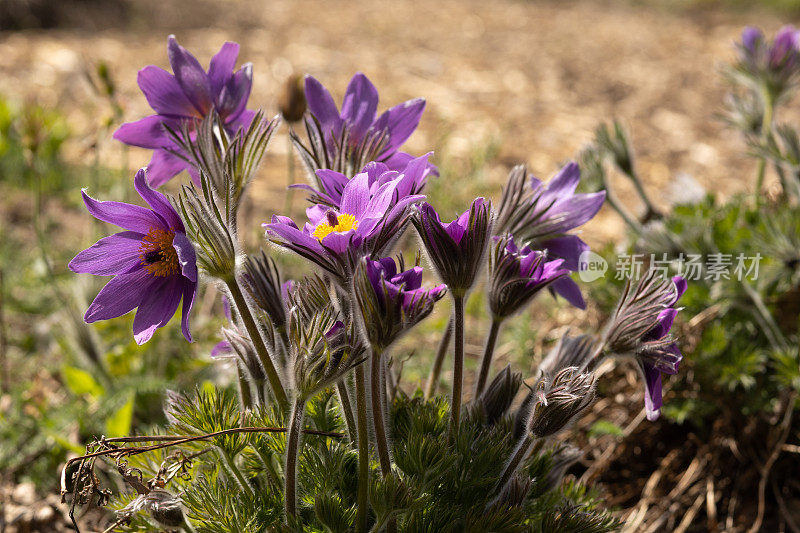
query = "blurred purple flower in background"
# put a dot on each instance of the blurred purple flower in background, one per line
(659, 354)
(774, 65)
(153, 262)
(359, 117)
(181, 98)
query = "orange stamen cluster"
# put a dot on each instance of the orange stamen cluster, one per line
(158, 255)
(341, 223)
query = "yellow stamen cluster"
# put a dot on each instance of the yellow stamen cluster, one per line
(158, 255)
(344, 222)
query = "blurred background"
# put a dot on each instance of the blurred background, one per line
(506, 82)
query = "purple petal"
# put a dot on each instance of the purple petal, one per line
(338, 242)
(127, 216)
(115, 254)
(322, 106)
(190, 75)
(146, 133)
(222, 349)
(163, 92)
(120, 295)
(751, 37)
(652, 393)
(563, 184)
(333, 183)
(569, 248)
(157, 308)
(189, 294)
(356, 197)
(663, 325)
(681, 285)
(291, 234)
(233, 97)
(157, 201)
(569, 290)
(401, 121)
(222, 65)
(164, 166)
(186, 256)
(360, 105)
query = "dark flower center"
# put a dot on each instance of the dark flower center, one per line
(158, 255)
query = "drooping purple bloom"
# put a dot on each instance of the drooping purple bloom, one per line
(411, 180)
(359, 116)
(366, 222)
(392, 302)
(659, 354)
(152, 261)
(184, 97)
(517, 275)
(456, 249)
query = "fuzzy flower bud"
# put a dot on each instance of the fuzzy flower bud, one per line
(456, 249)
(292, 102)
(499, 395)
(560, 401)
(262, 280)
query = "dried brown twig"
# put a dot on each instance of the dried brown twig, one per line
(86, 485)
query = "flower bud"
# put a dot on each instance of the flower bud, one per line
(262, 280)
(499, 395)
(560, 401)
(292, 101)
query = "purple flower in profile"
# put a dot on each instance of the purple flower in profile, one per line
(456, 249)
(184, 97)
(391, 301)
(411, 180)
(517, 275)
(152, 261)
(545, 213)
(359, 117)
(659, 354)
(366, 222)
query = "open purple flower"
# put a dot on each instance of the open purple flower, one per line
(184, 97)
(456, 248)
(359, 117)
(411, 180)
(517, 275)
(153, 263)
(659, 354)
(392, 302)
(366, 222)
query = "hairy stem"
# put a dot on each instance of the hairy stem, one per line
(230, 466)
(292, 454)
(347, 408)
(436, 369)
(520, 452)
(378, 414)
(362, 506)
(488, 352)
(245, 393)
(258, 343)
(766, 129)
(458, 360)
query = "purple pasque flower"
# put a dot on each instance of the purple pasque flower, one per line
(411, 180)
(544, 214)
(183, 98)
(456, 248)
(366, 222)
(359, 118)
(152, 261)
(517, 275)
(659, 354)
(774, 64)
(391, 300)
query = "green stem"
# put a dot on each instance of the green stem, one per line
(347, 409)
(378, 415)
(362, 506)
(766, 129)
(458, 361)
(520, 452)
(441, 352)
(245, 393)
(234, 472)
(258, 343)
(292, 453)
(652, 212)
(486, 362)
